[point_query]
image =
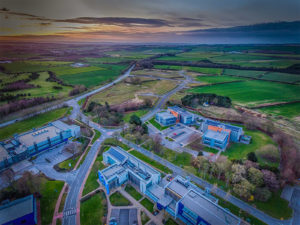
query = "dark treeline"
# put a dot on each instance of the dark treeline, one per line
(194, 100)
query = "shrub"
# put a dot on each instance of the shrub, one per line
(262, 194)
(269, 153)
(252, 157)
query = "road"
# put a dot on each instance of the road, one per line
(219, 192)
(126, 74)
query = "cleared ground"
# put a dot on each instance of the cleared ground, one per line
(123, 92)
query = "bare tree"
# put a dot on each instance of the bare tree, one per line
(8, 176)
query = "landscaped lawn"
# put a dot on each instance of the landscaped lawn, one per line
(144, 218)
(150, 161)
(50, 191)
(91, 182)
(157, 125)
(117, 199)
(138, 113)
(170, 221)
(133, 192)
(240, 151)
(93, 210)
(97, 135)
(253, 92)
(275, 206)
(62, 202)
(147, 204)
(218, 79)
(33, 122)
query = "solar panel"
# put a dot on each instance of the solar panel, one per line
(116, 154)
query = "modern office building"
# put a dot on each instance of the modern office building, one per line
(125, 167)
(19, 212)
(216, 137)
(179, 197)
(194, 206)
(182, 115)
(165, 118)
(235, 131)
(28, 144)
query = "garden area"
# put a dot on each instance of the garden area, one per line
(94, 210)
(117, 199)
(147, 204)
(133, 192)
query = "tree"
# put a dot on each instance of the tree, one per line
(238, 173)
(270, 180)
(73, 148)
(8, 176)
(134, 119)
(223, 165)
(255, 176)
(156, 145)
(243, 189)
(262, 194)
(252, 157)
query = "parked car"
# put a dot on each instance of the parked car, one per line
(155, 212)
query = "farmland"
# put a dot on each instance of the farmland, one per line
(253, 92)
(288, 110)
(218, 79)
(215, 71)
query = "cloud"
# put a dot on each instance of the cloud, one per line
(45, 24)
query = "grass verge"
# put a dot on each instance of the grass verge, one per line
(133, 192)
(117, 199)
(147, 204)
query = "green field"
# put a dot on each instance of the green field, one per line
(94, 77)
(50, 191)
(289, 110)
(253, 92)
(217, 79)
(243, 73)
(31, 66)
(33, 122)
(93, 210)
(117, 199)
(213, 71)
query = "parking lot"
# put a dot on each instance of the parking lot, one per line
(182, 134)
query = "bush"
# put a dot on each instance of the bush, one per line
(193, 100)
(252, 157)
(269, 153)
(262, 194)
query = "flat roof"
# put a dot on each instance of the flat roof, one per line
(181, 111)
(3, 153)
(227, 126)
(16, 209)
(166, 115)
(112, 170)
(219, 136)
(209, 211)
(38, 135)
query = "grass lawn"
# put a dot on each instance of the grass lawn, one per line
(288, 110)
(33, 122)
(93, 210)
(117, 199)
(65, 165)
(240, 151)
(62, 203)
(157, 125)
(170, 221)
(97, 135)
(91, 182)
(114, 142)
(253, 92)
(144, 218)
(133, 192)
(50, 191)
(138, 113)
(147, 204)
(150, 161)
(275, 206)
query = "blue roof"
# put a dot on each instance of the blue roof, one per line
(117, 155)
(17, 209)
(227, 126)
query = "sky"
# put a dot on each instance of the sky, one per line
(171, 21)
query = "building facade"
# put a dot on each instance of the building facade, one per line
(28, 144)
(125, 167)
(19, 212)
(182, 115)
(165, 118)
